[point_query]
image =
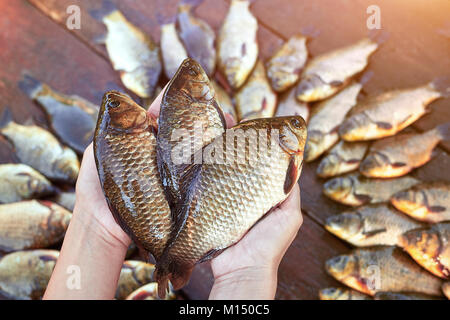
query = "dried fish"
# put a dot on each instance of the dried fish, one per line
(290, 106)
(172, 50)
(224, 101)
(134, 274)
(65, 199)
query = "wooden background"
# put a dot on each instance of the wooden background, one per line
(34, 38)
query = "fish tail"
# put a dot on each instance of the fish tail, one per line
(442, 84)
(177, 274)
(6, 117)
(30, 85)
(443, 130)
(107, 7)
(379, 36)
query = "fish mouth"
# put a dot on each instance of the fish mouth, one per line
(344, 225)
(340, 266)
(334, 189)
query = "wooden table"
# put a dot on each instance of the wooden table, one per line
(34, 38)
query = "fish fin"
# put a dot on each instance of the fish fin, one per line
(107, 7)
(30, 85)
(211, 254)
(443, 130)
(292, 175)
(177, 274)
(398, 164)
(363, 198)
(384, 125)
(437, 209)
(442, 84)
(379, 36)
(6, 117)
(372, 233)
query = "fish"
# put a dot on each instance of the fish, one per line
(290, 106)
(255, 99)
(133, 275)
(354, 189)
(198, 38)
(396, 156)
(430, 247)
(71, 118)
(404, 296)
(284, 67)
(344, 157)
(65, 199)
(224, 101)
(325, 119)
(149, 292)
(446, 289)
(237, 45)
(132, 52)
(216, 186)
(172, 50)
(21, 182)
(428, 202)
(24, 275)
(41, 150)
(371, 225)
(327, 74)
(125, 156)
(382, 268)
(342, 294)
(385, 114)
(130, 250)
(190, 117)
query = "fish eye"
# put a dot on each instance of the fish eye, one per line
(296, 123)
(113, 104)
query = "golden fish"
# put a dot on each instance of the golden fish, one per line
(330, 72)
(131, 51)
(354, 189)
(71, 118)
(172, 50)
(371, 225)
(267, 174)
(404, 296)
(237, 45)
(24, 275)
(290, 106)
(125, 154)
(446, 289)
(387, 113)
(283, 68)
(325, 120)
(256, 99)
(21, 182)
(32, 225)
(39, 149)
(342, 294)
(149, 292)
(224, 101)
(342, 158)
(65, 199)
(429, 202)
(134, 274)
(430, 247)
(398, 155)
(198, 38)
(382, 268)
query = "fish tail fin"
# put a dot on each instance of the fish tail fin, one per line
(177, 274)
(443, 130)
(6, 117)
(107, 7)
(442, 84)
(30, 85)
(378, 36)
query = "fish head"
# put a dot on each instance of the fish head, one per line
(338, 188)
(375, 164)
(333, 294)
(293, 134)
(69, 167)
(312, 88)
(409, 201)
(342, 267)
(345, 225)
(329, 166)
(313, 146)
(356, 127)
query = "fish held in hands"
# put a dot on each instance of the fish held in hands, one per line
(290, 106)
(342, 294)
(172, 50)
(125, 155)
(429, 202)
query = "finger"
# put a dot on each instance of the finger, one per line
(229, 119)
(154, 108)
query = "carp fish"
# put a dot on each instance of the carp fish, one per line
(398, 155)
(430, 247)
(65, 199)
(172, 50)
(39, 149)
(342, 294)
(237, 45)
(371, 225)
(134, 274)
(125, 155)
(330, 72)
(214, 214)
(387, 113)
(382, 268)
(149, 292)
(354, 189)
(255, 99)
(132, 52)
(284, 67)
(342, 158)
(71, 118)
(429, 202)
(24, 275)
(198, 38)
(21, 182)
(325, 120)
(290, 106)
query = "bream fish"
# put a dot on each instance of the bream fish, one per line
(290, 106)
(172, 49)
(149, 292)
(134, 274)
(342, 294)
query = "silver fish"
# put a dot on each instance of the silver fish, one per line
(290, 106)
(172, 49)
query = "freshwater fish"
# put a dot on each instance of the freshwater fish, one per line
(290, 106)
(237, 45)
(382, 268)
(132, 52)
(342, 158)
(385, 114)
(255, 99)
(125, 155)
(24, 275)
(149, 292)
(325, 120)
(284, 67)
(267, 175)
(198, 38)
(446, 289)
(38, 148)
(21, 182)
(371, 225)
(398, 155)
(71, 118)
(32, 224)
(404, 296)
(224, 101)
(330, 72)
(65, 199)
(342, 294)
(172, 50)
(134, 274)
(429, 202)
(354, 189)
(430, 247)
